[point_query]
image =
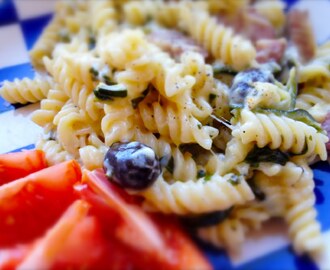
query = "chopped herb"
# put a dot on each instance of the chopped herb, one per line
(207, 219)
(219, 68)
(208, 177)
(64, 36)
(265, 154)
(258, 193)
(167, 162)
(292, 87)
(199, 126)
(107, 80)
(94, 73)
(234, 180)
(170, 165)
(297, 114)
(108, 92)
(200, 174)
(212, 97)
(136, 101)
(91, 42)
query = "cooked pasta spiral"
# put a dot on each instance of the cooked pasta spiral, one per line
(26, 90)
(220, 40)
(190, 197)
(280, 132)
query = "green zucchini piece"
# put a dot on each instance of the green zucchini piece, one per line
(108, 92)
(265, 154)
(219, 68)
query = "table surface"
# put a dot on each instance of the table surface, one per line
(21, 22)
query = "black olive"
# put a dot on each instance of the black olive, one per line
(205, 220)
(132, 165)
(242, 84)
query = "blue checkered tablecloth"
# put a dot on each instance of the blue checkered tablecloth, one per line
(21, 22)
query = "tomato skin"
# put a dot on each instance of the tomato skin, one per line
(20, 164)
(30, 205)
(173, 250)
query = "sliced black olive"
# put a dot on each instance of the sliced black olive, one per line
(205, 220)
(132, 165)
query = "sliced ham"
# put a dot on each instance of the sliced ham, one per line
(270, 49)
(250, 24)
(326, 127)
(174, 42)
(301, 33)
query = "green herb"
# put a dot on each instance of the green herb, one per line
(292, 88)
(201, 173)
(167, 162)
(258, 193)
(107, 80)
(94, 73)
(297, 114)
(208, 177)
(199, 126)
(91, 42)
(265, 154)
(136, 101)
(64, 36)
(170, 165)
(234, 180)
(108, 92)
(219, 68)
(206, 219)
(212, 97)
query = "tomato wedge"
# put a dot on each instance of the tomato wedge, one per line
(20, 164)
(30, 205)
(147, 241)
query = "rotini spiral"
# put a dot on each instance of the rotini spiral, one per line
(304, 230)
(26, 90)
(190, 197)
(280, 132)
(103, 16)
(171, 121)
(49, 107)
(220, 40)
(119, 122)
(315, 100)
(53, 150)
(231, 232)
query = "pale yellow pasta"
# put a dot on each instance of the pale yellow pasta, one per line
(119, 122)
(170, 120)
(54, 152)
(103, 16)
(267, 95)
(273, 10)
(280, 132)
(231, 233)
(49, 107)
(26, 90)
(220, 40)
(315, 100)
(217, 193)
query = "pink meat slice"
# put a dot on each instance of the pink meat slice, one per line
(175, 42)
(301, 33)
(326, 127)
(270, 49)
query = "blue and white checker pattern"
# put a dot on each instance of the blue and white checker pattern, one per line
(21, 22)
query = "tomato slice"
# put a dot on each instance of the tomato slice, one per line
(20, 164)
(30, 205)
(147, 241)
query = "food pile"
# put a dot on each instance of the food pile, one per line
(208, 111)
